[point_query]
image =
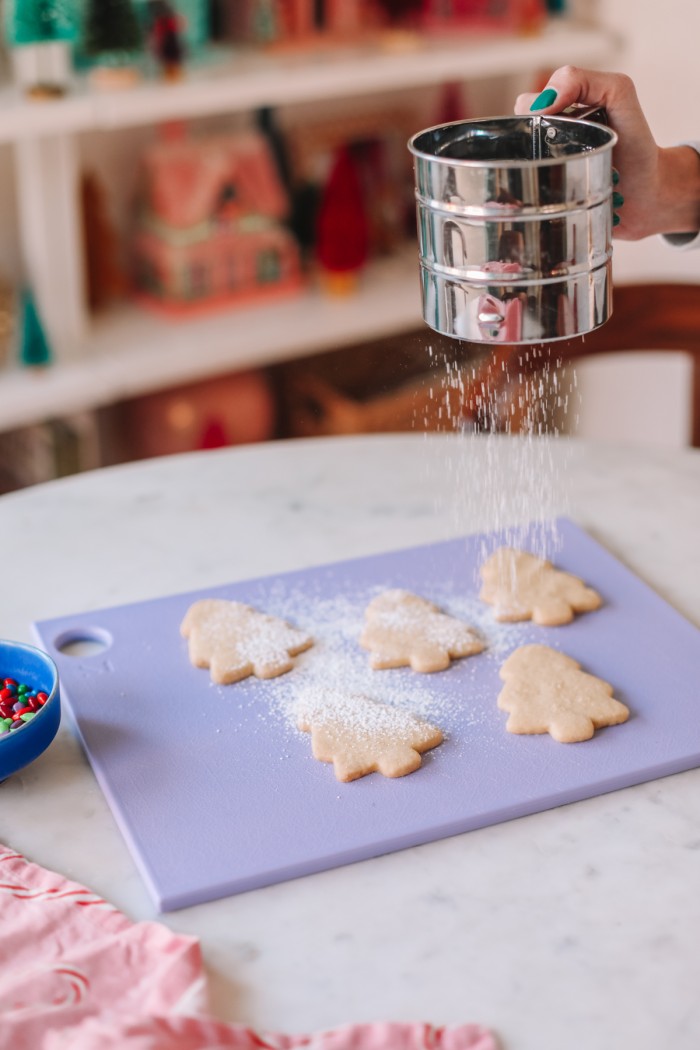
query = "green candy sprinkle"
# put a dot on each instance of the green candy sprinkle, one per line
(28, 717)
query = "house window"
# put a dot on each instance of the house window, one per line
(269, 266)
(198, 281)
(148, 276)
(226, 207)
(232, 272)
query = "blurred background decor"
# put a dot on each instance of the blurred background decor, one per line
(40, 34)
(234, 410)
(342, 226)
(88, 177)
(210, 223)
(7, 319)
(105, 280)
(112, 40)
(34, 350)
(165, 36)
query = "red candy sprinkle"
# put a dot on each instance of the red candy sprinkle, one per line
(6, 693)
(42, 697)
(9, 681)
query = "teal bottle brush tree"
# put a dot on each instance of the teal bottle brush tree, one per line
(34, 349)
(40, 33)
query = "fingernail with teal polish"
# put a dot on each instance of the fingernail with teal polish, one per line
(616, 220)
(544, 99)
(618, 200)
(615, 177)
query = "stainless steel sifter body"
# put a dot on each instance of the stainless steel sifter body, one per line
(515, 227)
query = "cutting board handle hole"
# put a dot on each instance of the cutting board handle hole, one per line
(83, 642)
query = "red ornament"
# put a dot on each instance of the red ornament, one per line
(213, 435)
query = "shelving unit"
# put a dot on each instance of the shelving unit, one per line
(130, 351)
(235, 82)
(134, 351)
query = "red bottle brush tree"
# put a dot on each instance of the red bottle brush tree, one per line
(342, 225)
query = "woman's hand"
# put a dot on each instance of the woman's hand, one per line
(659, 188)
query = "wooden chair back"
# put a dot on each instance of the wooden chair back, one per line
(654, 317)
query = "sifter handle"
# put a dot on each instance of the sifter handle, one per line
(580, 111)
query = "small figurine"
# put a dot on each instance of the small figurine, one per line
(165, 38)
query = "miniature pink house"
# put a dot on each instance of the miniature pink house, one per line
(210, 229)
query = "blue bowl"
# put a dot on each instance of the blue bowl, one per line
(24, 663)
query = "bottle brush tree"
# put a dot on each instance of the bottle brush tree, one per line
(39, 21)
(342, 224)
(111, 26)
(34, 347)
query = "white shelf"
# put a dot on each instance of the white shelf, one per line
(134, 351)
(245, 81)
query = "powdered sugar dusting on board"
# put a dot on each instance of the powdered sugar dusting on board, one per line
(365, 717)
(233, 639)
(396, 613)
(336, 668)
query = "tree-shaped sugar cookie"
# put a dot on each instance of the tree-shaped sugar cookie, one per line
(522, 586)
(360, 736)
(547, 692)
(403, 630)
(234, 640)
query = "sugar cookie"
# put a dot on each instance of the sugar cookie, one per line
(234, 640)
(547, 692)
(522, 586)
(404, 630)
(360, 736)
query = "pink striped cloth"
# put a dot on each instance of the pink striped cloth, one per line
(76, 974)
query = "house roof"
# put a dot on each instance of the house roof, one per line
(186, 178)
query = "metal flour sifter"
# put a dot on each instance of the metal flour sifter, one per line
(515, 226)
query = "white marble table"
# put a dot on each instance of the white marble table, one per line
(575, 928)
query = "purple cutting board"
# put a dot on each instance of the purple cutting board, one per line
(216, 792)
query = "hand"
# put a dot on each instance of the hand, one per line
(659, 188)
